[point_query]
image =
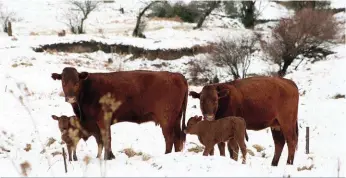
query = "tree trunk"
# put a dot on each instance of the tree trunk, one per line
(9, 30)
(136, 32)
(248, 13)
(287, 62)
(212, 6)
(81, 27)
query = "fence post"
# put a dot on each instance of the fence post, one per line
(307, 140)
(64, 156)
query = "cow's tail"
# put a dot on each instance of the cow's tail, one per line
(246, 136)
(183, 125)
(297, 132)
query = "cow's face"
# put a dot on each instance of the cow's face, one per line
(209, 100)
(71, 82)
(192, 121)
(63, 122)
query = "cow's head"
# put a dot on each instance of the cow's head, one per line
(71, 82)
(63, 122)
(209, 100)
(192, 121)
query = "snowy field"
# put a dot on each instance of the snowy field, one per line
(29, 97)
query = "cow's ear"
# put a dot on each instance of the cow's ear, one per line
(83, 75)
(55, 117)
(194, 94)
(223, 93)
(56, 76)
(199, 118)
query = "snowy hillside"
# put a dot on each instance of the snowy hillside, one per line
(29, 97)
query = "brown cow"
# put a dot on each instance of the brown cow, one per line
(263, 102)
(72, 131)
(229, 129)
(144, 95)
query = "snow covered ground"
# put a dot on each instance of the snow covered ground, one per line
(29, 97)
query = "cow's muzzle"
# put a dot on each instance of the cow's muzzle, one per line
(209, 117)
(70, 100)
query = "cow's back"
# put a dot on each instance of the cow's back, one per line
(265, 98)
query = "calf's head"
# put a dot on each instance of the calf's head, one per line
(71, 82)
(191, 123)
(63, 122)
(209, 100)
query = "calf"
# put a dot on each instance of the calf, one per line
(229, 129)
(71, 132)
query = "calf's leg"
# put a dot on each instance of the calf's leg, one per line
(233, 149)
(74, 153)
(221, 146)
(207, 149)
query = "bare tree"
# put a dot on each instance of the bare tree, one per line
(303, 34)
(137, 32)
(202, 72)
(236, 54)
(7, 16)
(209, 7)
(78, 12)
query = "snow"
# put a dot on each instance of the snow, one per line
(31, 122)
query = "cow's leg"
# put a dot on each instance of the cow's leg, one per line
(178, 137)
(99, 145)
(233, 149)
(69, 152)
(211, 153)
(221, 146)
(279, 141)
(168, 134)
(74, 148)
(291, 137)
(106, 139)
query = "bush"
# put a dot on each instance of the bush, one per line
(302, 34)
(187, 13)
(235, 54)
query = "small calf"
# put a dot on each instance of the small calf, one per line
(229, 129)
(71, 132)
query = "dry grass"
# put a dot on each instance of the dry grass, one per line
(338, 96)
(22, 64)
(258, 148)
(250, 152)
(129, 152)
(25, 167)
(196, 149)
(33, 34)
(305, 168)
(55, 153)
(50, 141)
(27, 147)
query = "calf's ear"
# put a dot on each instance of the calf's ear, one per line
(194, 94)
(56, 76)
(83, 75)
(223, 93)
(55, 117)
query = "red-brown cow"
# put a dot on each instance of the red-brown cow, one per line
(144, 95)
(263, 102)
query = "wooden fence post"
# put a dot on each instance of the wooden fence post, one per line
(307, 140)
(64, 156)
